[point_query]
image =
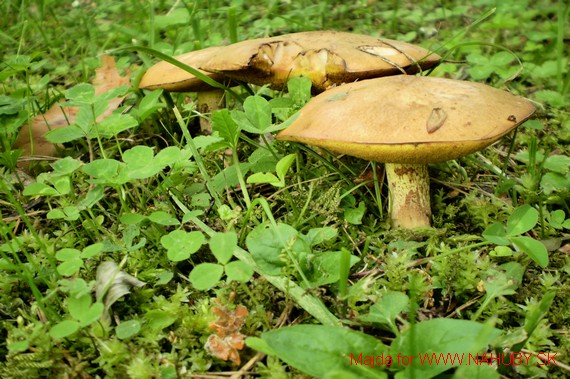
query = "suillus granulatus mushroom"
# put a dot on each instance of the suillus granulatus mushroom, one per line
(174, 79)
(408, 122)
(328, 58)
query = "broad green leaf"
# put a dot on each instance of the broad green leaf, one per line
(39, 189)
(238, 271)
(533, 248)
(78, 303)
(283, 166)
(158, 319)
(70, 266)
(523, 219)
(223, 245)
(107, 169)
(132, 218)
(266, 244)
(317, 236)
(170, 155)
(325, 267)
(164, 277)
(206, 275)
(262, 160)
(91, 314)
(127, 329)
(501, 251)
(477, 59)
(62, 184)
(263, 178)
(341, 374)
(318, 350)
(258, 112)
(558, 163)
(553, 181)
(476, 371)
(55, 214)
(84, 310)
(354, 215)
(226, 127)
(299, 88)
(148, 105)
(85, 119)
(502, 58)
(387, 309)
(92, 197)
(163, 218)
(557, 218)
(192, 214)
(18, 346)
(260, 345)
(282, 107)
(64, 328)
(113, 125)
(201, 200)
(71, 261)
(497, 234)
(440, 344)
(553, 98)
(241, 119)
(69, 213)
(178, 16)
(82, 93)
(119, 91)
(138, 156)
(92, 250)
(140, 162)
(66, 166)
(181, 244)
(481, 72)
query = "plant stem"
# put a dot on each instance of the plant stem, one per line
(197, 157)
(242, 184)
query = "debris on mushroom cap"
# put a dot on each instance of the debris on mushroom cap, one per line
(172, 78)
(408, 119)
(328, 58)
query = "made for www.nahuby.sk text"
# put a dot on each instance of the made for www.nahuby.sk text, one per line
(454, 359)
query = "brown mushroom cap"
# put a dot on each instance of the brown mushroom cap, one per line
(408, 119)
(171, 78)
(328, 58)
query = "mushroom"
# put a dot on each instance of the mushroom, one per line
(174, 79)
(408, 122)
(328, 58)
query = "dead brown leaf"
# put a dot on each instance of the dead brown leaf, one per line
(31, 137)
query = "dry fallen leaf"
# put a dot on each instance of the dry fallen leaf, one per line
(31, 137)
(227, 340)
(112, 284)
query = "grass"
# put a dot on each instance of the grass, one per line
(267, 227)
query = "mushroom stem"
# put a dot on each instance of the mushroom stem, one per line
(409, 195)
(209, 101)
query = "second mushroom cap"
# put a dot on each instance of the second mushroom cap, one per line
(328, 58)
(408, 119)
